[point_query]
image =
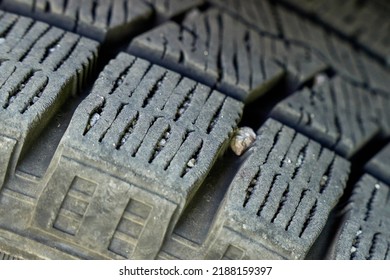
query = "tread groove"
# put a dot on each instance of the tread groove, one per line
(18, 88)
(373, 245)
(369, 204)
(37, 94)
(51, 47)
(303, 194)
(154, 120)
(95, 116)
(251, 186)
(282, 202)
(153, 91)
(118, 112)
(122, 76)
(309, 218)
(267, 196)
(127, 131)
(160, 144)
(68, 54)
(193, 160)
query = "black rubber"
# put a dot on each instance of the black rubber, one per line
(365, 230)
(336, 113)
(172, 129)
(278, 201)
(379, 165)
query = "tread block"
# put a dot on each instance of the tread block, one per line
(38, 46)
(336, 113)
(7, 146)
(40, 68)
(336, 51)
(299, 61)
(212, 48)
(377, 75)
(301, 64)
(43, 47)
(157, 131)
(318, 48)
(281, 196)
(158, 117)
(257, 13)
(172, 8)
(101, 20)
(364, 233)
(117, 219)
(364, 22)
(349, 62)
(379, 165)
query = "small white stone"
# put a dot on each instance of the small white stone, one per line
(300, 160)
(377, 186)
(125, 137)
(242, 140)
(54, 48)
(95, 117)
(320, 79)
(323, 181)
(181, 111)
(191, 163)
(2, 40)
(353, 249)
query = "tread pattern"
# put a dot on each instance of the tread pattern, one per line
(41, 68)
(365, 231)
(281, 196)
(330, 48)
(172, 8)
(43, 47)
(200, 52)
(100, 19)
(215, 40)
(355, 19)
(347, 61)
(379, 165)
(259, 14)
(135, 116)
(156, 130)
(340, 115)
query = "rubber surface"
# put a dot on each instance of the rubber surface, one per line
(365, 232)
(285, 190)
(338, 114)
(166, 129)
